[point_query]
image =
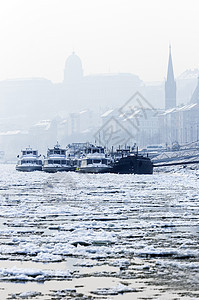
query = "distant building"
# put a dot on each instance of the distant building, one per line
(142, 124)
(78, 92)
(73, 108)
(195, 96)
(185, 85)
(182, 123)
(73, 72)
(170, 85)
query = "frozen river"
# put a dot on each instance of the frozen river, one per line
(99, 236)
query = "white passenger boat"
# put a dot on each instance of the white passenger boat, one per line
(29, 161)
(95, 160)
(56, 160)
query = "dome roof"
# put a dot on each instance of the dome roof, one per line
(73, 69)
(73, 61)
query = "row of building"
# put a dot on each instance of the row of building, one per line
(179, 123)
(111, 109)
(146, 125)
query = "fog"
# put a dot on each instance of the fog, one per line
(65, 64)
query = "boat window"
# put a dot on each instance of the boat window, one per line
(63, 162)
(89, 161)
(28, 162)
(24, 152)
(39, 162)
(63, 152)
(56, 151)
(57, 162)
(34, 152)
(104, 161)
(29, 152)
(96, 161)
(50, 151)
(96, 151)
(50, 161)
(74, 162)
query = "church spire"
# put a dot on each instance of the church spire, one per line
(170, 73)
(170, 85)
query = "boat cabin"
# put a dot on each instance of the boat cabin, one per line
(94, 150)
(57, 162)
(30, 161)
(87, 161)
(56, 151)
(29, 152)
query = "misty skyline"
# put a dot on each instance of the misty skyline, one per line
(109, 36)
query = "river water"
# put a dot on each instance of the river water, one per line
(99, 236)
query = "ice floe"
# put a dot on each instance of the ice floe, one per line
(109, 219)
(19, 274)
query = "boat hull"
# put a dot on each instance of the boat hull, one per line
(94, 170)
(24, 168)
(54, 169)
(133, 165)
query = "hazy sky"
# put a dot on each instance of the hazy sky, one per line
(109, 36)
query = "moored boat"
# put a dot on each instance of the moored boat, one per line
(94, 160)
(29, 161)
(127, 162)
(57, 161)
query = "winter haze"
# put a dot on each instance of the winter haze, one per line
(65, 64)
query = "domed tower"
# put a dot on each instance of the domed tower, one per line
(73, 71)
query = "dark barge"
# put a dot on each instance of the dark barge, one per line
(127, 162)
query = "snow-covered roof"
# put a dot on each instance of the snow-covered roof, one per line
(43, 123)
(107, 113)
(182, 108)
(189, 74)
(13, 132)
